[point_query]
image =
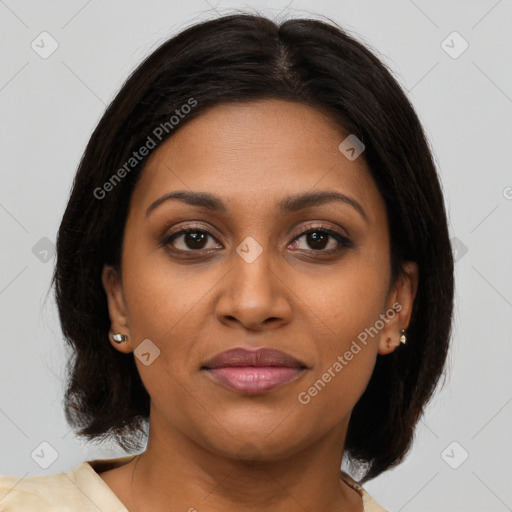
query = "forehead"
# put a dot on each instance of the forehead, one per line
(259, 149)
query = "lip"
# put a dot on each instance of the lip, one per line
(253, 371)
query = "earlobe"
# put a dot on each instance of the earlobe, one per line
(119, 328)
(391, 345)
(400, 301)
(120, 342)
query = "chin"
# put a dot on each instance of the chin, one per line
(262, 442)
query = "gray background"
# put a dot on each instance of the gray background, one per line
(49, 107)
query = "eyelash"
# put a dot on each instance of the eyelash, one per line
(342, 240)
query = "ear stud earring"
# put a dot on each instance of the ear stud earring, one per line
(403, 338)
(119, 338)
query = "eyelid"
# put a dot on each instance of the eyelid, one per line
(193, 225)
(321, 227)
(344, 242)
(183, 229)
(342, 239)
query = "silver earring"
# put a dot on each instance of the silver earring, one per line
(119, 338)
(403, 338)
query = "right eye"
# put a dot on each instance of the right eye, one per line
(190, 239)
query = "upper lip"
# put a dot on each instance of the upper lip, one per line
(253, 357)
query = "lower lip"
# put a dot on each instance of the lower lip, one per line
(252, 380)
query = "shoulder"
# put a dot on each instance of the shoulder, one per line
(369, 504)
(34, 494)
(78, 490)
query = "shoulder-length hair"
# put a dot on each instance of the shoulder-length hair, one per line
(243, 57)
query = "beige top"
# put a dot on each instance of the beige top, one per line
(83, 490)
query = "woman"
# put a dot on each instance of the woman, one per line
(254, 263)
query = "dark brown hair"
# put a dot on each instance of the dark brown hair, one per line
(243, 57)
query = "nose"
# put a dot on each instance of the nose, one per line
(253, 296)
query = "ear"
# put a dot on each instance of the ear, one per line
(400, 301)
(116, 307)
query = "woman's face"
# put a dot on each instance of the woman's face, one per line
(248, 275)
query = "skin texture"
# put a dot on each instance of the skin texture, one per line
(210, 448)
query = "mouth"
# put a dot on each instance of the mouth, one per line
(253, 372)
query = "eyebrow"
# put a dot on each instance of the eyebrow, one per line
(289, 204)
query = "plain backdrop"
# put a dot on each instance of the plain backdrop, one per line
(452, 59)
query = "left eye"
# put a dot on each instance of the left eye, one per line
(322, 239)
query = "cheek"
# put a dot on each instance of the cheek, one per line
(161, 294)
(348, 304)
(332, 392)
(345, 299)
(161, 309)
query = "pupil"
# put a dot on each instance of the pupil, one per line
(317, 240)
(195, 240)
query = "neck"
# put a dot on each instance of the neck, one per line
(175, 470)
